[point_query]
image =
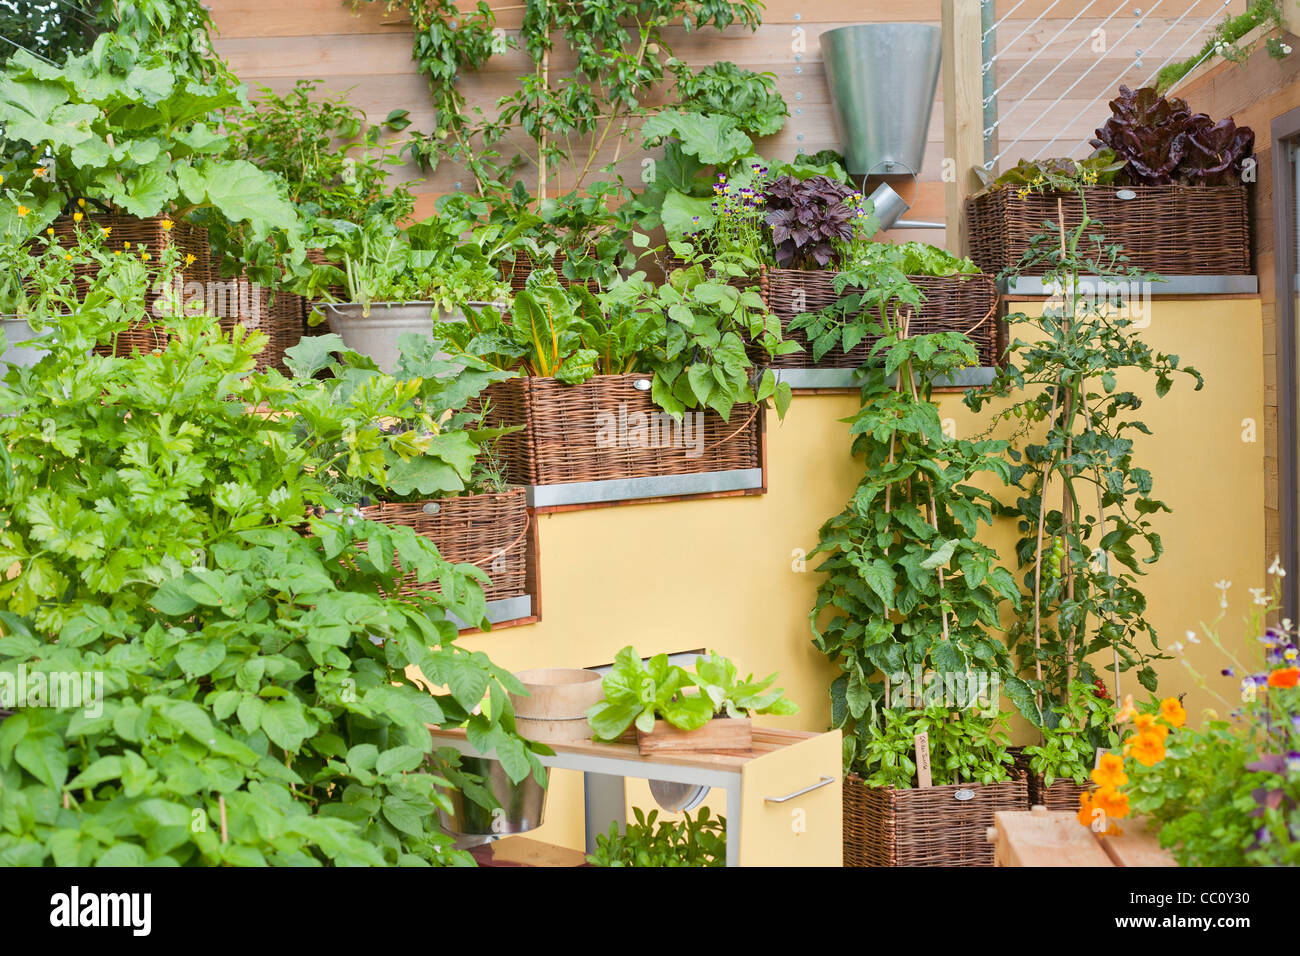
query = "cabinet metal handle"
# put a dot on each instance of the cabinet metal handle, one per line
(799, 793)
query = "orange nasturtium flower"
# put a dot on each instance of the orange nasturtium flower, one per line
(1091, 810)
(1146, 724)
(1085, 808)
(1126, 712)
(1109, 772)
(1172, 711)
(1147, 749)
(1111, 802)
(1285, 677)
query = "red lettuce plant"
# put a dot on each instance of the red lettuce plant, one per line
(807, 218)
(1160, 140)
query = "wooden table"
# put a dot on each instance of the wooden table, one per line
(784, 803)
(1042, 837)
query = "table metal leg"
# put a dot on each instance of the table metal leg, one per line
(605, 799)
(733, 824)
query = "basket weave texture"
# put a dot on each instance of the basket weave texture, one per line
(1170, 229)
(956, 303)
(488, 531)
(516, 273)
(606, 428)
(925, 827)
(253, 306)
(1061, 795)
(149, 234)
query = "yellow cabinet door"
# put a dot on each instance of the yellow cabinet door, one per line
(805, 830)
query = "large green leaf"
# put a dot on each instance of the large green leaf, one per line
(684, 214)
(714, 140)
(239, 190)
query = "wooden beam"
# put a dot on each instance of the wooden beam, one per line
(963, 113)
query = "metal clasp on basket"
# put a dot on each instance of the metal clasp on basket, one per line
(964, 794)
(642, 384)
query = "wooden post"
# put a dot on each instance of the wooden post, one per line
(963, 113)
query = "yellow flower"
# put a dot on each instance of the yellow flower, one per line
(127, 244)
(106, 229)
(50, 231)
(40, 171)
(1172, 711)
(1109, 772)
(190, 258)
(68, 257)
(2, 180)
(22, 211)
(81, 203)
(77, 216)
(144, 256)
(117, 252)
(167, 225)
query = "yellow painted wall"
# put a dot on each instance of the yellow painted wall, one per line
(720, 573)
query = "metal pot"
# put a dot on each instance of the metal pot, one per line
(374, 330)
(882, 78)
(522, 804)
(18, 330)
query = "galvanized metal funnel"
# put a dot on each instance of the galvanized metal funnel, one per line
(882, 78)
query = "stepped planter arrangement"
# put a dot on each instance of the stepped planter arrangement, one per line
(1166, 184)
(609, 428)
(928, 826)
(488, 531)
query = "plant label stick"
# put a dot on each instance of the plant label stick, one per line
(923, 760)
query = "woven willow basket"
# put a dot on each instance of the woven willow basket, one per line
(1171, 230)
(589, 432)
(488, 531)
(516, 273)
(925, 827)
(957, 303)
(149, 234)
(1061, 795)
(278, 314)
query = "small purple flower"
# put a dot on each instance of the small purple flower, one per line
(1227, 672)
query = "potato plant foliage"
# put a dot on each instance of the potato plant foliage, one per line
(256, 704)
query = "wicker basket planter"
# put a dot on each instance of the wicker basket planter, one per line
(1061, 795)
(149, 233)
(489, 531)
(934, 826)
(1170, 230)
(279, 314)
(516, 273)
(608, 428)
(957, 303)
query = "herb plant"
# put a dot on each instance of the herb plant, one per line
(1073, 732)
(698, 841)
(640, 693)
(965, 747)
(810, 220)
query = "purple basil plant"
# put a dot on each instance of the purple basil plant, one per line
(807, 216)
(1162, 141)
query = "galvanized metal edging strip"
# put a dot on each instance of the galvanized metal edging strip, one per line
(658, 486)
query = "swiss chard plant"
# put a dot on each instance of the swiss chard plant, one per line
(637, 692)
(1084, 506)
(245, 697)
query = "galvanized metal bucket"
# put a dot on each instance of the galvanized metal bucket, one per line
(522, 804)
(17, 331)
(882, 78)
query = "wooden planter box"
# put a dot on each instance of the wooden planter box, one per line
(279, 314)
(720, 733)
(1170, 230)
(958, 303)
(489, 531)
(608, 428)
(933, 826)
(149, 233)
